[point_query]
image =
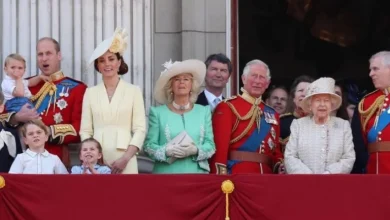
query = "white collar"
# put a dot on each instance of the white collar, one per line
(33, 154)
(211, 97)
(7, 77)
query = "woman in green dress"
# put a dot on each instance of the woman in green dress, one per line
(180, 136)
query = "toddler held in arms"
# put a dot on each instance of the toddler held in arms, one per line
(36, 159)
(91, 157)
(14, 86)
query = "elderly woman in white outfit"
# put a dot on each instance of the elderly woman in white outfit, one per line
(320, 143)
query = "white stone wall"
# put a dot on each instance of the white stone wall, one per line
(79, 25)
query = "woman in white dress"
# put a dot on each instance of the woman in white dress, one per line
(320, 143)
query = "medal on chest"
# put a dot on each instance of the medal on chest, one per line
(273, 133)
(62, 104)
(58, 118)
(270, 118)
(271, 143)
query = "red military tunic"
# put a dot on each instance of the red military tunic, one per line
(235, 126)
(375, 118)
(59, 104)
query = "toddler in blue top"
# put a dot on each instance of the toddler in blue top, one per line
(91, 157)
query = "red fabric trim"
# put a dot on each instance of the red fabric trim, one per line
(193, 197)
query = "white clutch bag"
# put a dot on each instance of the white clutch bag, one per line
(181, 138)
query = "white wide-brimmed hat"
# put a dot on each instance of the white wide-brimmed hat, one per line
(194, 67)
(117, 43)
(324, 85)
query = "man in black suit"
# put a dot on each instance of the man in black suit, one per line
(219, 68)
(358, 142)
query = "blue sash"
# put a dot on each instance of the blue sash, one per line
(254, 141)
(383, 121)
(64, 84)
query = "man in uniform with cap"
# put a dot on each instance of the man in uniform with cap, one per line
(374, 112)
(58, 102)
(246, 130)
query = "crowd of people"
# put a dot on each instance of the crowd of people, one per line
(304, 130)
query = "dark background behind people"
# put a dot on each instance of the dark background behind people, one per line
(290, 35)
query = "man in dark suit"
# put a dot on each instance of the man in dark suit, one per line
(219, 68)
(358, 142)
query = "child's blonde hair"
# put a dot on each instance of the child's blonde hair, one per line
(14, 56)
(36, 122)
(98, 145)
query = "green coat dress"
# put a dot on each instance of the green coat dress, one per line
(164, 125)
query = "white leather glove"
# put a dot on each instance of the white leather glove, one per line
(174, 150)
(188, 150)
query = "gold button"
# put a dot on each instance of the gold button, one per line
(379, 139)
(380, 132)
(386, 99)
(384, 104)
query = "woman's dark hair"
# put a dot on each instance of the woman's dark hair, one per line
(98, 145)
(123, 69)
(342, 111)
(290, 102)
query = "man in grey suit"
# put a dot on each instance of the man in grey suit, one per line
(219, 69)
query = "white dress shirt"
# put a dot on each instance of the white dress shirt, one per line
(30, 162)
(211, 99)
(8, 86)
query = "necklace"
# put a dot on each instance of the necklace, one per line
(181, 107)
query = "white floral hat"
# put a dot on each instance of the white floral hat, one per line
(194, 67)
(117, 43)
(323, 85)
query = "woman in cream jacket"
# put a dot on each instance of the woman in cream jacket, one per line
(113, 111)
(320, 143)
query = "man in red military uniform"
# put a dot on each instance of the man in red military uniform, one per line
(246, 131)
(374, 114)
(58, 102)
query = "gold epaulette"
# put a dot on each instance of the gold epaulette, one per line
(62, 130)
(285, 114)
(230, 98)
(4, 118)
(370, 111)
